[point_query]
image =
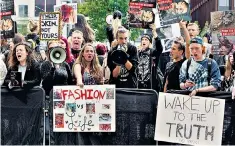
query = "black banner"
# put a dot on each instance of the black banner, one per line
(22, 116)
(229, 113)
(135, 122)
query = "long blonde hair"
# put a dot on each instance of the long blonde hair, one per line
(116, 23)
(95, 68)
(228, 68)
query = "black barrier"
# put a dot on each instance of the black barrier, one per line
(135, 122)
(21, 116)
(229, 113)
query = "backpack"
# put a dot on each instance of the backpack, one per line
(208, 67)
(106, 71)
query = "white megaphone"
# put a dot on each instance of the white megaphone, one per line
(57, 55)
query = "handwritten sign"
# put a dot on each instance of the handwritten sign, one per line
(49, 25)
(90, 109)
(189, 120)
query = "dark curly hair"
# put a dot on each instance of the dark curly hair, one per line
(13, 62)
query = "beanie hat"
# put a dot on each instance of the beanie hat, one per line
(147, 36)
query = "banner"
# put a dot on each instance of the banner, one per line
(172, 11)
(88, 109)
(141, 14)
(223, 32)
(6, 7)
(190, 120)
(49, 26)
(68, 12)
(168, 34)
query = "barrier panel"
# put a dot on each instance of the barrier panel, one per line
(229, 112)
(22, 116)
(135, 122)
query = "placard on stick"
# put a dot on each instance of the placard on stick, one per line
(87, 109)
(189, 120)
(50, 25)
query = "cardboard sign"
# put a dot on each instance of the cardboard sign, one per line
(189, 120)
(90, 109)
(49, 26)
(68, 12)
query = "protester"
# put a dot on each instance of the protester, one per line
(77, 41)
(101, 51)
(21, 60)
(148, 61)
(55, 74)
(196, 75)
(87, 69)
(123, 61)
(3, 72)
(171, 77)
(69, 57)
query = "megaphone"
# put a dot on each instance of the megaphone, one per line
(57, 55)
(119, 56)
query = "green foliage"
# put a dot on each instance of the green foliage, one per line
(97, 10)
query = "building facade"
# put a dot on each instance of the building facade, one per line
(200, 9)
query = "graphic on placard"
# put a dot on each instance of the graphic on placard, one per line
(7, 27)
(172, 11)
(189, 120)
(87, 109)
(223, 32)
(58, 104)
(59, 120)
(68, 12)
(141, 13)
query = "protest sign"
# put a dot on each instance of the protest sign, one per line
(172, 11)
(49, 26)
(168, 34)
(68, 12)
(87, 109)
(223, 32)
(6, 7)
(189, 120)
(7, 27)
(141, 14)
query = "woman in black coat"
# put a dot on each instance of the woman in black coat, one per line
(21, 60)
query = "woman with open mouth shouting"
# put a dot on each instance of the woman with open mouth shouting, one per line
(87, 69)
(21, 60)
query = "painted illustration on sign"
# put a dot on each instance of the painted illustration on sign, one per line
(190, 120)
(87, 109)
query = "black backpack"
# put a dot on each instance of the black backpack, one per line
(208, 65)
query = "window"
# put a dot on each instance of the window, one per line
(40, 6)
(23, 10)
(223, 5)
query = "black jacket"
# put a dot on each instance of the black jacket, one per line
(129, 78)
(52, 77)
(32, 75)
(153, 56)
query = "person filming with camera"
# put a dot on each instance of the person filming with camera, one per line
(123, 61)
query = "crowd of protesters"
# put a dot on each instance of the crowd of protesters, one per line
(191, 66)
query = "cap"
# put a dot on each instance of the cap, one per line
(197, 40)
